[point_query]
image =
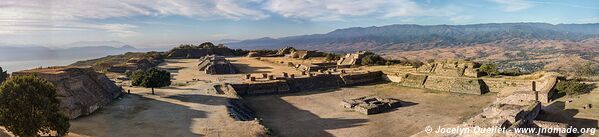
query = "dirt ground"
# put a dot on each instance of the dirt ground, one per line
(257, 67)
(320, 113)
(185, 109)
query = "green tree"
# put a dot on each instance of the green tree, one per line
(152, 78)
(489, 68)
(331, 57)
(29, 106)
(372, 59)
(570, 87)
(3, 75)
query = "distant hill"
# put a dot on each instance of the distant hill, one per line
(419, 37)
(17, 53)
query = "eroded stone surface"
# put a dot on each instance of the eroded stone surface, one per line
(81, 90)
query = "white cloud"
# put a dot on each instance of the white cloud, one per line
(341, 9)
(23, 16)
(17, 16)
(513, 5)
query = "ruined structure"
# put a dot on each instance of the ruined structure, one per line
(351, 59)
(194, 52)
(305, 54)
(452, 68)
(371, 105)
(134, 64)
(519, 110)
(283, 85)
(285, 51)
(314, 66)
(213, 64)
(544, 85)
(81, 90)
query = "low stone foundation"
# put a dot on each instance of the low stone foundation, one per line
(317, 82)
(371, 105)
(544, 85)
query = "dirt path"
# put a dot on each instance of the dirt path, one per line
(177, 111)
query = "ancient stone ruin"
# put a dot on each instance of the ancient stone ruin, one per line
(452, 68)
(514, 111)
(134, 64)
(371, 105)
(305, 54)
(544, 85)
(351, 59)
(213, 64)
(81, 90)
(285, 51)
(195, 52)
(238, 110)
(282, 85)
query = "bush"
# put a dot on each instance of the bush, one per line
(3, 75)
(489, 68)
(372, 59)
(570, 87)
(29, 106)
(240, 52)
(331, 57)
(586, 69)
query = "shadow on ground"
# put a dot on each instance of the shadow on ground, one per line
(136, 115)
(556, 112)
(312, 125)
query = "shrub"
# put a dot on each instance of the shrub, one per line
(586, 69)
(29, 106)
(489, 68)
(571, 87)
(331, 57)
(372, 59)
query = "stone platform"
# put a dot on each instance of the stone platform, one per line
(371, 105)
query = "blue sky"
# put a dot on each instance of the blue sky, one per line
(159, 23)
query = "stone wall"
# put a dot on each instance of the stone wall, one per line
(413, 80)
(323, 81)
(451, 68)
(457, 85)
(360, 79)
(81, 90)
(544, 85)
(501, 85)
(317, 82)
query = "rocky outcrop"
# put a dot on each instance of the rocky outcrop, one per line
(81, 90)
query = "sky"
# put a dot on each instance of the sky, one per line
(159, 23)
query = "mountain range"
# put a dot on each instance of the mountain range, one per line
(419, 37)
